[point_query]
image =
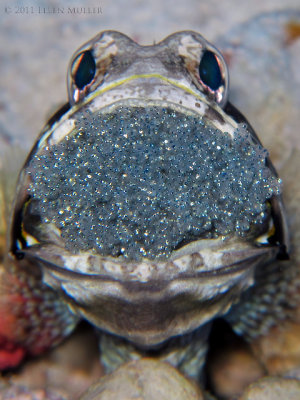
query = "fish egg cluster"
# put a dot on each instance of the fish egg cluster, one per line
(140, 182)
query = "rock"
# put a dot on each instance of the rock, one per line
(145, 379)
(273, 388)
(9, 392)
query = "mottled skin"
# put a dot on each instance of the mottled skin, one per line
(164, 305)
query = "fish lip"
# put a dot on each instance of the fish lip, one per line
(151, 311)
(238, 261)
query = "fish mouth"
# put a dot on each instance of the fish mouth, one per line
(202, 259)
(140, 182)
(148, 303)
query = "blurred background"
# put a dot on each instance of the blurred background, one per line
(39, 37)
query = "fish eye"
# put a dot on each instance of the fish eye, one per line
(83, 69)
(209, 70)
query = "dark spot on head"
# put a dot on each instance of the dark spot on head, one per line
(213, 115)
